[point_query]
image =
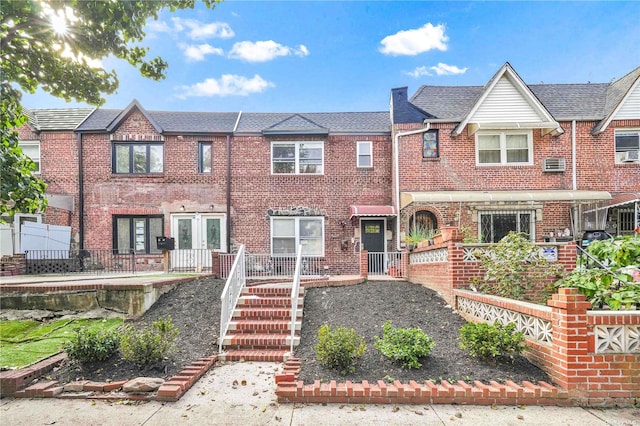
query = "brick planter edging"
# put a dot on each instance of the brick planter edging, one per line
(288, 389)
(171, 390)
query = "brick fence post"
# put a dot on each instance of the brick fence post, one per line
(570, 345)
(215, 264)
(364, 264)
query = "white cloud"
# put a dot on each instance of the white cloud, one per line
(197, 30)
(158, 27)
(419, 72)
(195, 53)
(444, 69)
(440, 69)
(413, 42)
(263, 51)
(226, 85)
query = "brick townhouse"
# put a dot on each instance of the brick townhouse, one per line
(49, 139)
(550, 160)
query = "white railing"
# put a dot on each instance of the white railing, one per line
(265, 265)
(190, 260)
(386, 263)
(235, 283)
(295, 291)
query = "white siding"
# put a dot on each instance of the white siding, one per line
(505, 104)
(630, 108)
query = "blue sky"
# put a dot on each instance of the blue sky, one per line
(295, 56)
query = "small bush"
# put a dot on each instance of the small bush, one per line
(486, 341)
(339, 348)
(404, 344)
(92, 344)
(150, 344)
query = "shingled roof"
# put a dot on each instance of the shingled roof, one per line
(167, 121)
(595, 101)
(103, 120)
(334, 122)
(56, 119)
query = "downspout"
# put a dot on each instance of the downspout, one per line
(396, 176)
(235, 128)
(80, 194)
(574, 172)
(228, 193)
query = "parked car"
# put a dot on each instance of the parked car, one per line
(594, 235)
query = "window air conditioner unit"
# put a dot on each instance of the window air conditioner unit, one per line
(554, 165)
(630, 156)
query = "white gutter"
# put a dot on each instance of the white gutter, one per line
(396, 162)
(235, 126)
(574, 172)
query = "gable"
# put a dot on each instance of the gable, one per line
(630, 107)
(136, 127)
(505, 103)
(296, 124)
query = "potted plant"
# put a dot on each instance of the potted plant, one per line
(416, 235)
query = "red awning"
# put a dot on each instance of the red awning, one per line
(372, 211)
(623, 199)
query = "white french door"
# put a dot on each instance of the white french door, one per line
(196, 236)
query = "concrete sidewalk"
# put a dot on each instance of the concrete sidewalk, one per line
(244, 394)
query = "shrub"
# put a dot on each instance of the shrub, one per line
(404, 344)
(339, 348)
(149, 344)
(92, 344)
(514, 267)
(486, 341)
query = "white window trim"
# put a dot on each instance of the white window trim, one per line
(361, 144)
(297, 234)
(297, 157)
(615, 152)
(37, 160)
(503, 147)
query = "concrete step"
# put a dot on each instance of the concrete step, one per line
(256, 313)
(259, 341)
(263, 326)
(265, 355)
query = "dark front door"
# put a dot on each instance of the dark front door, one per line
(372, 232)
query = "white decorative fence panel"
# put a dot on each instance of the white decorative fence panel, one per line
(617, 339)
(430, 256)
(534, 328)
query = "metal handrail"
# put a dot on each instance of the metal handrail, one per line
(594, 260)
(231, 293)
(295, 291)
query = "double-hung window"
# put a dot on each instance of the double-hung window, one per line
(365, 154)
(32, 150)
(137, 233)
(627, 146)
(495, 225)
(289, 232)
(504, 148)
(204, 157)
(297, 158)
(138, 157)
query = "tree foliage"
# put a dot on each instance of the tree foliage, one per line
(53, 44)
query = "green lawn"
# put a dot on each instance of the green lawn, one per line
(23, 343)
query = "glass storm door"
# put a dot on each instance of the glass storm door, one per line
(196, 236)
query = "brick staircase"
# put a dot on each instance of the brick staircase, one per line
(260, 329)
